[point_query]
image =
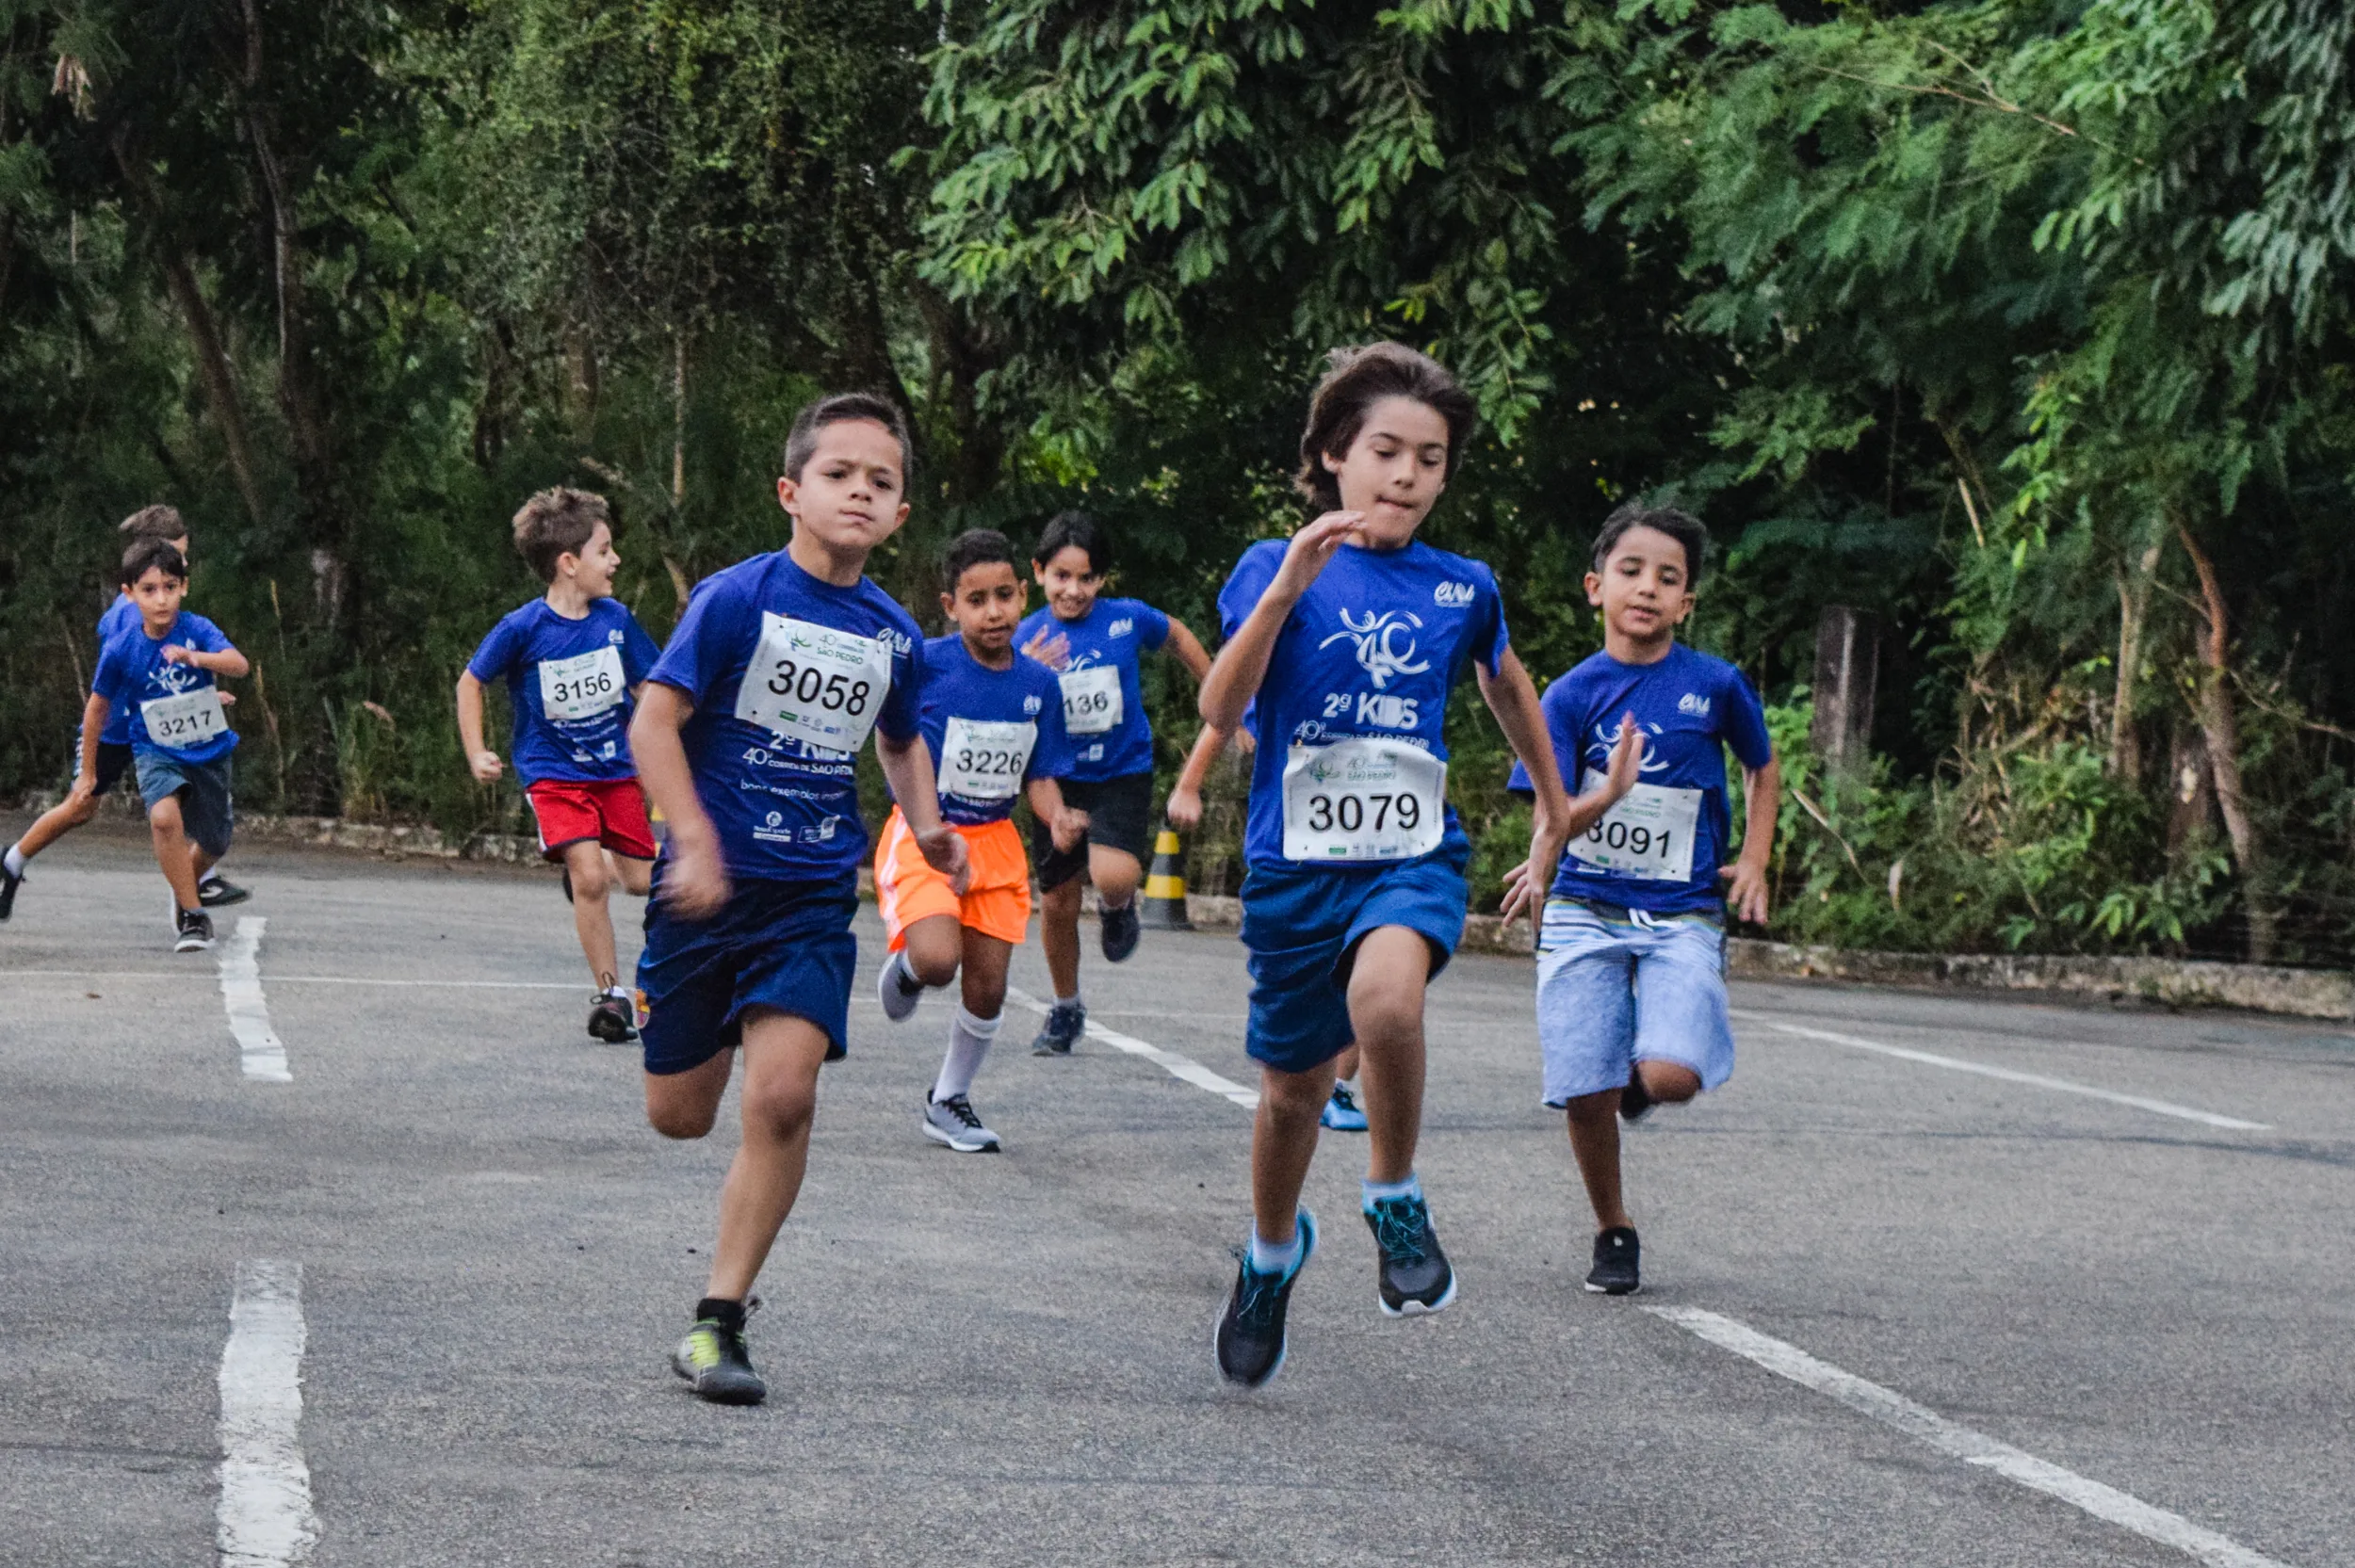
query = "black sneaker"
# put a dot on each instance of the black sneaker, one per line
(1414, 1276)
(1065, 1022)
(1250, 1337)
(10, 883)
(613, 1019)
(713, 1358)
(1634, 1100)
(1121, 928)
(217, 890)
(196, 931)
(1617, 1257)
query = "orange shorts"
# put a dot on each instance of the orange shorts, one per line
(998, 902)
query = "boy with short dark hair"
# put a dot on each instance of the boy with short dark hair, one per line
(160, 670)
(572, 660)
(747, 737)
(114, 747)
(1631, 964)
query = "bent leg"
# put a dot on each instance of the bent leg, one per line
(76, 809)
(1115, 874)
(782, 1056)
(635, 876)
(1283, 1141)
(686, 1105)
(1387, 976)
(934, 947)
(173, 853)
(584, 861)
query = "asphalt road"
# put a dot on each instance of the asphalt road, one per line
(1006, 1359)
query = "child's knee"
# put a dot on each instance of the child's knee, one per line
(1295, 1096)
(164, 817)
(780, 1105)
(681, 1122)
(590, 882)
(1669, 1082)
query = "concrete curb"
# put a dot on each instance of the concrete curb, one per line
(333, 832)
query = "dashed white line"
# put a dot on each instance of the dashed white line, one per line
(258, 1047)
(1924, 1424)
(1176, 1066)
(263, 1519)
(2036, 1080)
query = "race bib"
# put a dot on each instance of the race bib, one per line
(582, 686)
(815, 684)
(1091, 699)
(1649, 834)
(984, 759)
(1363, 800)
(186, 721)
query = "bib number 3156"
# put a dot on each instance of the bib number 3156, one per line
(815, 684)
(582, 686)
(1363, 800)
(1647, 834)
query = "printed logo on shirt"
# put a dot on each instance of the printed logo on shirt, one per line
(1125, 626)
(1694, 704)
(1455, 595)
(1599, 750)
(1029, 705)
(900, 641)
(1378, 653)
(1387, 712)
(178, 679)
(614, 637)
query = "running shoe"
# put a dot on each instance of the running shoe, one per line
(10, 883)
(1065, 1022)
(1414, 1276)
(896, 989)
(217, 890)
(1250, 1337)
(613, 1019)
(196, 931)
(1120, 930)
(1341, 1113)
(713, 1358)
(1618, 1259)
(955, 1121)
(1634, 1100)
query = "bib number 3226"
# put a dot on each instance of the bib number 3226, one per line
(1091, 699)
(186, 721)
(582, 686)
(815, 684)
(984, 759)
(1361, 800)
(1647, 834)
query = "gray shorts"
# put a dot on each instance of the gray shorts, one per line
(1612, 993)
(205, 810)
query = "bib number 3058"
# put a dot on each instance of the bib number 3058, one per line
(186, 721)
(582, 686)
(1647, 834)
(1361, 800)
(815, 684)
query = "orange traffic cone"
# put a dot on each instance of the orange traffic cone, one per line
(1165, 886)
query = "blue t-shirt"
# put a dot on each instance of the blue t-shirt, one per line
(989, 761)
(586, 669)
(133, 673)
(1110, 636)
(122, 613)
(785, 807)
(1690, 707)
(1372, 650)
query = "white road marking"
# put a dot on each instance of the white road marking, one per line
(1924, 1424)
(2036, 1080)
(263, 1056)
(265, 1518)
(1171, 1062)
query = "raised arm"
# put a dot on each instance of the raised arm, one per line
(1235, 675)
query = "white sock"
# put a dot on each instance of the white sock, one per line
(901, 975)
(1070, 1001)
(621, 991)
(14, 860)
(1272, 1257)
(969, 1044)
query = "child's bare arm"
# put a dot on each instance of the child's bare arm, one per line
(1511, 697)
(1065, 824)
(1761, 797)
(1185, 800)
(907, 766)
(481, 761)
(1188, 649)
(94, 714)
(695, 883)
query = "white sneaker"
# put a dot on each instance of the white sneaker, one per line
(896, 989)
(954, 1121)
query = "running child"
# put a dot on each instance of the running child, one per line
(1349, 637)
(1094, 643)
(1631, 964)
(573, 660)
(993, 722)
(747, 737)
(160, 669)
(80, 804)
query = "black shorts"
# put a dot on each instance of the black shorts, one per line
(1120, 817)
(114, 760)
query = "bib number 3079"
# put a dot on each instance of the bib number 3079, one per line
(1647, 834)
(815, 684)
(1361, 800)
(582, 686)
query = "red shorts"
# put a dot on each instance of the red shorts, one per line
(612, 812)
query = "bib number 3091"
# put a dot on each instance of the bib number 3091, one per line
(984, 759)
(1647, 834)
(582, 686)
(815, 684)
(1362, 800)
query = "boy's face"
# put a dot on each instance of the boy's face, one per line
(1643, 589)
(986, 605)
(158, 598)
(1394, 471)
(1070, 582)
(594, 567)
(850, 495)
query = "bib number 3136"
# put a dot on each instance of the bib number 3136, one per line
(582, 686)
(1647, 834)
(815, 684)
(1363, 800)
(186, 721)
(982, 759)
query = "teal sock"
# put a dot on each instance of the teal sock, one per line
(1371, 1193)
(1272, 1257)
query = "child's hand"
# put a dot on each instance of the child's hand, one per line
(1049, 647)
(228, 699)
(695, 884)
(944, 851)
(486, 766)
(1311, 548)
(174, 654)
(1627, 759)
(1745, 896)
(1184, 810)
(1069, 825)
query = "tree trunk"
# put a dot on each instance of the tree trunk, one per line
(2135, 577)
(2213, 704)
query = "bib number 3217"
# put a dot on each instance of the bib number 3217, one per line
(186, 721)
(1362, 800)
(815, 684)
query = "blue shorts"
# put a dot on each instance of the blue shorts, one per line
(1302, 925)
(207, 810)
(1612, 993)
(785, 945)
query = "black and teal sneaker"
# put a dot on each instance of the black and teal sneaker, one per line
(1414, 1276)
(713, 1358)
(1250, 1337)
